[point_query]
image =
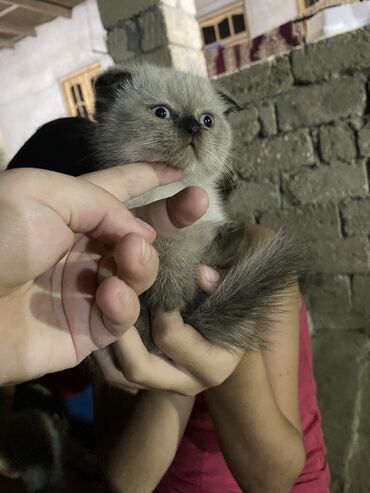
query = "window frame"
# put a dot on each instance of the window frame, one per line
(84, 78)
(215, 18)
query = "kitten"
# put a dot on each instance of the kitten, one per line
(158, 114)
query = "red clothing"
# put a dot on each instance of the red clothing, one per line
(199, 466)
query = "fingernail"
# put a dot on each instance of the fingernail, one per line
(211, 275)
(146, 252)
(145, 225)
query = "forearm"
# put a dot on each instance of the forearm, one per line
(143, 447)
(264, 450)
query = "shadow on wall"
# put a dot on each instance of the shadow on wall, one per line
(302, 153)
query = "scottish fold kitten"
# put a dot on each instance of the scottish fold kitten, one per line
(159, 114)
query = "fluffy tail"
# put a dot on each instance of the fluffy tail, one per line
(242, 310)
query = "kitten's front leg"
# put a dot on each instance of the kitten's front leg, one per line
(179, 255)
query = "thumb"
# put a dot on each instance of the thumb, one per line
(167, 216)
(208, 278)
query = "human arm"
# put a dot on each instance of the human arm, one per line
(137, 435)
(256, 410)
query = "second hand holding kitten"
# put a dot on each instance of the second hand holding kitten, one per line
(193, 364)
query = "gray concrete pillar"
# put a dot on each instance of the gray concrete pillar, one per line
(163, 32)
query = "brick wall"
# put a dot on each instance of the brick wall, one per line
(301, 151)
(302, 154)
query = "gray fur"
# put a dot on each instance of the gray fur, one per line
(239, 312)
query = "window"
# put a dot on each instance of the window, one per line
(226, 27)
(226, 40)
(209, 35)
(238, 23)
(78, 91)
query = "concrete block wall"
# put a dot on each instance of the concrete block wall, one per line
(302, 157)
(163, 32)
(302, 149)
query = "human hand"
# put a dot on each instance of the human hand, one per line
(190, 363)
(55, 230)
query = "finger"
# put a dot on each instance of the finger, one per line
(181, 210)
(208, 279)
(209, 363)
(137, 262)
(107, 268)
(111, 372)
(150, 370)
(116, 309)
(83, 206)
(131, 180)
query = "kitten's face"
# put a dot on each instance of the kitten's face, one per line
(156, 114)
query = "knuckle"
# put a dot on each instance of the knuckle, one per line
(215, 379)
(163, 337)
(190, 390)
(135, 374)
(189, 393)
(193, 392)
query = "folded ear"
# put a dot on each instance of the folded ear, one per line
(106, 86)
(232, 106)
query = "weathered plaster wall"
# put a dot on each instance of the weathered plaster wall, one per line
(30, 90)
(267, 15)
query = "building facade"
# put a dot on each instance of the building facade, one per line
(44, 77)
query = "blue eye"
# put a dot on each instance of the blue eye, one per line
(207, 120)
(161, 112)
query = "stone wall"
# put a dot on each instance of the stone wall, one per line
(165, 32)
(302, 149)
